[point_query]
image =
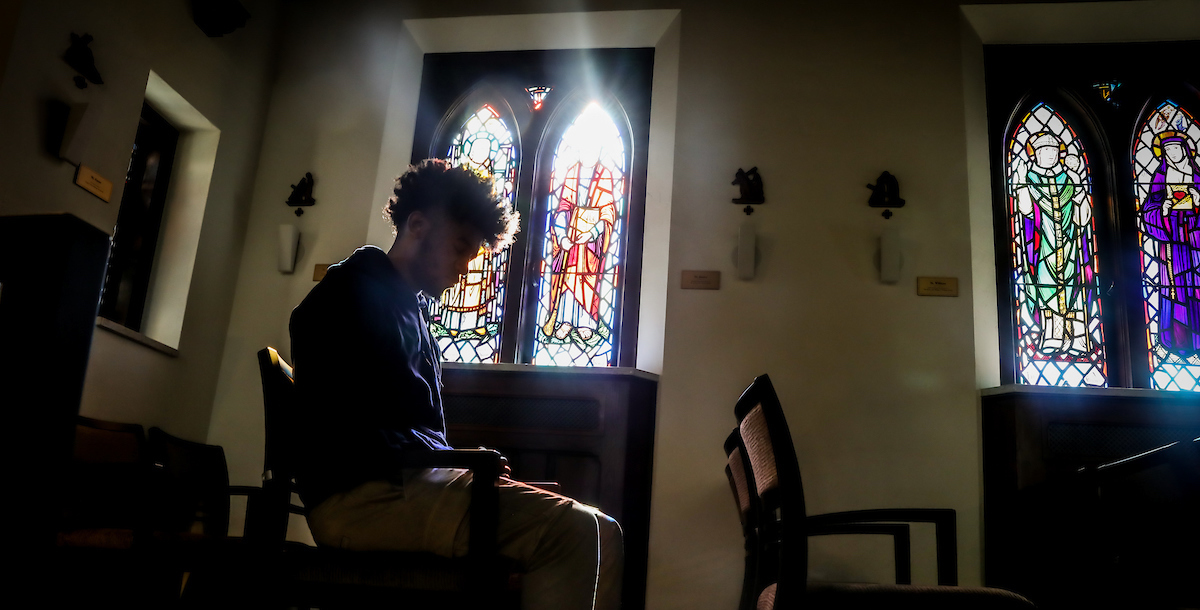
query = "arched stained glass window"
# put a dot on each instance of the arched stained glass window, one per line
(1060, 339)
(578, 289)
(1167, 179)
(466, 321)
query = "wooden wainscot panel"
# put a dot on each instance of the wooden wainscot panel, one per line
(590, 430)
(1048, 532)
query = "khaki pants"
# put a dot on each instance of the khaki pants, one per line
(571, 554)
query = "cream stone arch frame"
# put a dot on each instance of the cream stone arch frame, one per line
(1085, 22)
(610, 29)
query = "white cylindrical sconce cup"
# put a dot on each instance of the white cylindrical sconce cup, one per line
(289, 239)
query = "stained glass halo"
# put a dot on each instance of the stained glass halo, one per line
(1156, 147)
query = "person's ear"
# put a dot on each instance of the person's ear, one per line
(417, 224)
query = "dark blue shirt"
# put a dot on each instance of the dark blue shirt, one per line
(368, 380)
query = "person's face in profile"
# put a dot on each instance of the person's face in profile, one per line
(446, 249)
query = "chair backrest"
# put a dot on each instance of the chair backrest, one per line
(777, 494)
(738, 475)
(108, 476)
(267, 522)
(191, 483)
(742, 485)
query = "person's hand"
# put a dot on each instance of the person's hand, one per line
(505, 469)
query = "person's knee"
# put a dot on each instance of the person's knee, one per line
(609, 528)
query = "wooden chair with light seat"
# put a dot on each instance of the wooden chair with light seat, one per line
(304, 576)
(105, 550)
(781, 550)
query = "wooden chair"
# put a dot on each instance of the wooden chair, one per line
(740, 482)
(776, 510)
(300, 575)
(105, 549)
(189, 508)
(104, 498)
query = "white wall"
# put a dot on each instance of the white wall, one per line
(877, 383)
(225, 79)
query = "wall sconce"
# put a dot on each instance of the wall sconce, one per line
(289, 241)
(885, 193)
(745, 255)
(890, 259)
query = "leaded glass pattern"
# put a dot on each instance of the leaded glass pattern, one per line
(1166, 174)
(537, 96)
(577, 286)
(465, 321)
(1059, 335)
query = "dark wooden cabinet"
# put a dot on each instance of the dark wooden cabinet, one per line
(51, 271)
(1050, 532)
(590, 430)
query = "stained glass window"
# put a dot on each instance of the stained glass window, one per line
(1107, 91)
(537, 95)
(466, 320)
(1167, 179)
(578, 296)
(1060, 339)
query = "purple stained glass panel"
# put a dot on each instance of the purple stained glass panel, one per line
(1167, 187)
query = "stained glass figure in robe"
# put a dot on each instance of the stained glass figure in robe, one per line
(465, 321)
(1059, 333)
(1168, 189)
(578, 287)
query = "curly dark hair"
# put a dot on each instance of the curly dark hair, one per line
(468, 197)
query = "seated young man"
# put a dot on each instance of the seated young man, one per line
(368, 380)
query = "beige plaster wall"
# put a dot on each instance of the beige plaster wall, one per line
(878, 384)
(227, 80)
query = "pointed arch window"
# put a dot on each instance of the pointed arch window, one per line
(562, 135)
(1167, 188)
(466, 320)
(1096, 215)
(1060, 337)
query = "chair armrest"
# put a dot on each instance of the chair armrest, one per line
(485, 466)
(901, 541)
(1182, 455)
(945, 530)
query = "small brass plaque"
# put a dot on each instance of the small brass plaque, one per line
(937, 286)
(94, 183)
(701, 280)
(319, 272)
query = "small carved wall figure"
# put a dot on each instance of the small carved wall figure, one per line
(302, 193)
(80, 58)
(885, 193)
(751, 186)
